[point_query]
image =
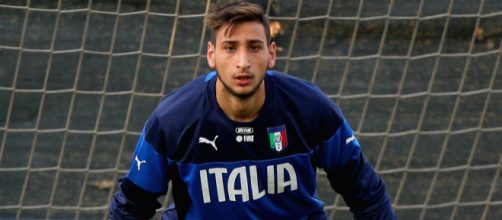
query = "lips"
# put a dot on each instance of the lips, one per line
(243, 80)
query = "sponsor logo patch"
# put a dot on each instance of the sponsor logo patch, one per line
(244, 130)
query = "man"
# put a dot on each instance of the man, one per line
(243, 142)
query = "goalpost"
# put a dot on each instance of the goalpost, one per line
(420, 81)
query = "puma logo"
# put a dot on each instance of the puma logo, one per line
(350, 139)
(204, 140)
(139, 162)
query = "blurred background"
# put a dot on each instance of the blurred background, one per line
(420, 81)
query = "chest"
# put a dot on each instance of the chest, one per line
(217, 139)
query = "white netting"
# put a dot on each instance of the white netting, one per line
(420, 81)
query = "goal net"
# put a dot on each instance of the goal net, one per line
(420, 81)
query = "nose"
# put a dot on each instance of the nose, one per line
(243, 62)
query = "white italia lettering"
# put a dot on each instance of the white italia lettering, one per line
(218, 174)
(244, 182)
(204, 186)
(281, 182)
(270, 180)
(255, 188)
(240, 173)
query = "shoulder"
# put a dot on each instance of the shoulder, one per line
(183, 107)
(188, 100)
(291, 83)
(178, 111)
(291, 90)
(306, 102)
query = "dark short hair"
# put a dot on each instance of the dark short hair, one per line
(233, 13)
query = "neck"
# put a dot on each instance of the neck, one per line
(237, 108)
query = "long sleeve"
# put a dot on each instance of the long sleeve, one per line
(132, 202)
(147, 178)
(353, 177)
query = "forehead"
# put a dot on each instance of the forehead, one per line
(241, 32)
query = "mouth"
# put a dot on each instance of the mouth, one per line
(243, 80)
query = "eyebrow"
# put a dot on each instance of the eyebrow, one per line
(252, 41)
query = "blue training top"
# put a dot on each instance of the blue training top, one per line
(264, 169)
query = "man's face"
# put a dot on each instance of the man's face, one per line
(242, 58)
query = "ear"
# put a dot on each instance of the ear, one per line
(210, 54)
(271, 54)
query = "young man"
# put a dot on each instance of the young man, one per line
(243, 142)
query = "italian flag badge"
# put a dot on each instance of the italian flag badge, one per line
(277, 138)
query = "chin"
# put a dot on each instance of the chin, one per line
(243, 95)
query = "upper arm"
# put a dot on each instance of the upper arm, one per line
(149, 165)
(351, 175)
(147, 178)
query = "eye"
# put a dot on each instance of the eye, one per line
(229, 48)
(256, 47)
